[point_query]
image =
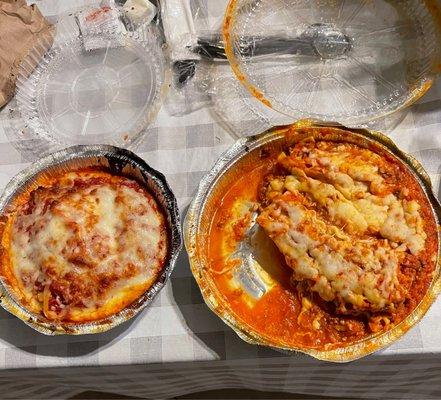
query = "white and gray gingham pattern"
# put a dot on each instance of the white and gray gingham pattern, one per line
(178, 345)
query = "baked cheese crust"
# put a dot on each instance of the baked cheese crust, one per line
(345, 224)
(83, 246)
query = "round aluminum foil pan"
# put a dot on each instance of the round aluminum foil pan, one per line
(245, 153)
(120, 162)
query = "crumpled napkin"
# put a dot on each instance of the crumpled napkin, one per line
(20, 27)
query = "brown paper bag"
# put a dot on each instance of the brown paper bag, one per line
(20, 27)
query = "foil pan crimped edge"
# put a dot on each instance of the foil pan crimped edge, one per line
(210, 293)
(117, 161)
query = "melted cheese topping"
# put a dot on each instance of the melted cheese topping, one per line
(85, 246)
(343, 223)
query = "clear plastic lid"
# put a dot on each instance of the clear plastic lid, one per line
(333, 60)
(94, 82)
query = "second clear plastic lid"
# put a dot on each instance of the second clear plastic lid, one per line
(93, 82)
(333, 60)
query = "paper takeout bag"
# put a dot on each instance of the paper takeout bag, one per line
(20, 28)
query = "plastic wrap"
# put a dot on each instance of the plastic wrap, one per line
(179, 28)
(203, 77)
(105, 18)
(184, 21)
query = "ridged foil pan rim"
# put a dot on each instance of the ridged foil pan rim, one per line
(119, 158)
(226, 161)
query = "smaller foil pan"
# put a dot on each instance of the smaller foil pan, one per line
(246, 153)
(119, 162)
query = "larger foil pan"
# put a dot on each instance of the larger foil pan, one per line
(119, 162)
(244, 153)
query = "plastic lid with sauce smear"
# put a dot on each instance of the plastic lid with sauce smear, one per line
(334, 60)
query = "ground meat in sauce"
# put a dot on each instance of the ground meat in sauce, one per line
(357, 325)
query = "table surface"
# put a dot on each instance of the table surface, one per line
(178, 326)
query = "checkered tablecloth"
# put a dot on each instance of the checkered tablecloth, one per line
(177, 345)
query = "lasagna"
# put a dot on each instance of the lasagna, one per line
(352, 241)
(82, 246)
(346, 226)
